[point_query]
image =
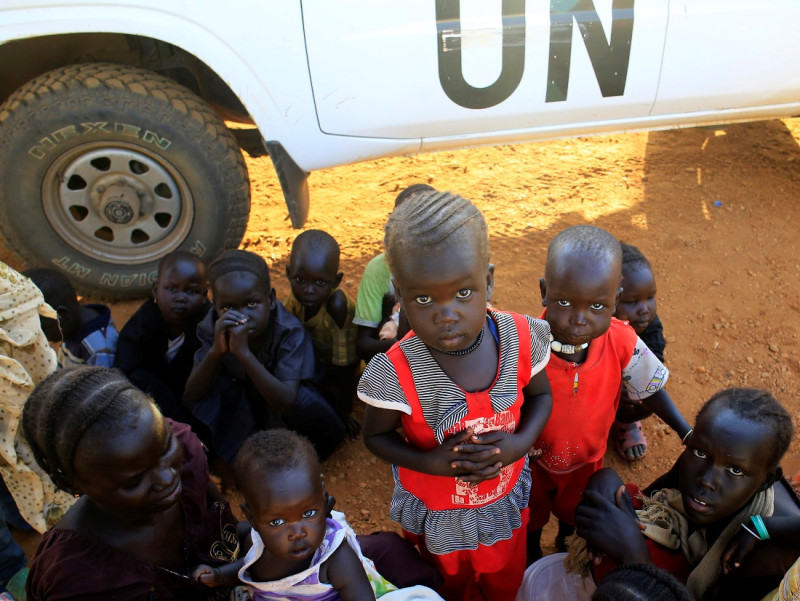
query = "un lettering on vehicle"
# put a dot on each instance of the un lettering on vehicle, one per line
(609, 55)
(97, 128)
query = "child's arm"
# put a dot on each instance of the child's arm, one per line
(344, 571)
(381, 437)
(202, 378)
(663, 407)
(279, 395)
(225, 575)
(536, 409)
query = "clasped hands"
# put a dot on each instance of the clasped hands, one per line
(473, 458)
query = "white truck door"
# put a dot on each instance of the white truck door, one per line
(729, 55)
(482, 68)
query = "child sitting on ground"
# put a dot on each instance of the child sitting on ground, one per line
(723, 519)
(297, 551)
(594, 355)
(468, 388)
(86, 332)
(255, 368)
(156, 346)
(376, 300)
(637, 306)
(326, 311)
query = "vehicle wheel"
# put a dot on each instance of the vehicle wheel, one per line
(106, 168)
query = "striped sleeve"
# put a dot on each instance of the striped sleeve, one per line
(540, 344)
(380, 387)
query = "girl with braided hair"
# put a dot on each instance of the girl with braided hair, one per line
(146, 512)
(467, 385)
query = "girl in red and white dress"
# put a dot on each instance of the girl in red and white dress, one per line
(468, 388)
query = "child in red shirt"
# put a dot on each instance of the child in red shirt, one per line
(594, 356)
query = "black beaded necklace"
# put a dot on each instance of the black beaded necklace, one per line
(463, 351)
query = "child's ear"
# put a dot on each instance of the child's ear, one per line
(246, 511)
(772, 478)
(153, 290)
(398, 295)
(288, 272)
(543, 290)
(616, 300)
(272, 299)
(489, 281)
(338, 279)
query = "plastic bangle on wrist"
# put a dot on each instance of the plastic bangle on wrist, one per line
(757, 537)
(687, 435)
(758, 522)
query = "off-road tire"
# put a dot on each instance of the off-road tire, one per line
(106, 168)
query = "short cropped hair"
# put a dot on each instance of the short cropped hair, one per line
(633, 258)
(317, 241)
(759, 407)
(430, 221)
(583, 239)
(176, 256)
(272, 451)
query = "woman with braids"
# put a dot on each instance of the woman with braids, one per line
(467, 385)
(146, 512)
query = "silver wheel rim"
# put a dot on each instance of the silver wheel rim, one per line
(120, 203)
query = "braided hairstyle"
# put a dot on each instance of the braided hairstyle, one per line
(430, 221)
(583, 240)
(635, 582)
(756, 406)
(239, 260)
(632, 258)
(64, 406)
(275, 450)
(411, 190)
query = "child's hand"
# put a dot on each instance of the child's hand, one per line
(624, 399)
(444, 460)
(506, 444)
(227, 321)
(738, 548)
(207, 575)
(238, 339)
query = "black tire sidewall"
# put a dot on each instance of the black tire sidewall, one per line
(32, 132)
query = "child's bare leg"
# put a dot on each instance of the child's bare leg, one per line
(564, 530)
(534, 545)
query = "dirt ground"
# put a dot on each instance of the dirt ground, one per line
(715, 210)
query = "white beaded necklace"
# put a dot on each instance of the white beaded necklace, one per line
(567, 349)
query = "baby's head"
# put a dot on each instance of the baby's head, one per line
(180, 289)
(637, 304)
(313, 268)
(739, 438)
(240, 281)
(437, 248)
(284, 498)
(581, 283)
(96, 434)
(60, 295)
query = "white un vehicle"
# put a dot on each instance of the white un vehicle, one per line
(114, 148)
